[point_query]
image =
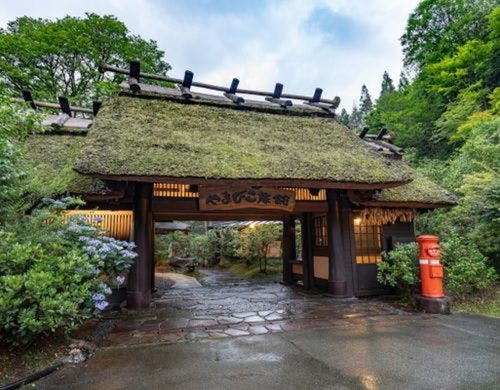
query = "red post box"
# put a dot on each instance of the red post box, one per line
(431, 270)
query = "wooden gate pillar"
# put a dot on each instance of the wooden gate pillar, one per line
(337, 283)
(307, 252)
(289, 248)
(139, 282)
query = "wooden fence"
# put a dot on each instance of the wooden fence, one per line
(117, 224)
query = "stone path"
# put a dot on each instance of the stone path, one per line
(227, 306)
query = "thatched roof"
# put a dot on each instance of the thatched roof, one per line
(51, 158)
(155, 139)
(419, 193)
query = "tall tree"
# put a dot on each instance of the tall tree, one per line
(403, 82)
(344, 117)
(365, 102)
(355, 119)
(438, 27)
(62, 57)
(387, 84)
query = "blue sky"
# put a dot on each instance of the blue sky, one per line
(337, 45)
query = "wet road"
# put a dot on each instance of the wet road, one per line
(288, 340)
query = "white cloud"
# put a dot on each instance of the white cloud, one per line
(262, 46)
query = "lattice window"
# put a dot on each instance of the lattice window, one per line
(320, 231)
(368, 240)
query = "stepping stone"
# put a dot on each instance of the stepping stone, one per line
(244, 315)
(254, 319)
(229, 320)
(258, 329)
(236, 332)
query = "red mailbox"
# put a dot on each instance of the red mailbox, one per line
(431, 270)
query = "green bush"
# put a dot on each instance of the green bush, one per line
(399, 269)
(51, 273)
(466, 270)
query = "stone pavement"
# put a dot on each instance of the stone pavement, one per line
(227, 306)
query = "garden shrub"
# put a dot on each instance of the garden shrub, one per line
(466, 268)
(399, 269)
(51, 273)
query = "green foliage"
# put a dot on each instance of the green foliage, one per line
(258, 239)
(466, 269)
(344, 117)
(50, 273)
(61, 57)
(438, 27)
(15, 124)
(399, 269)
(387, 84)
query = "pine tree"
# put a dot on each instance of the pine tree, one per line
(355, 119)
(344, 117)
(403, 82)
(387, 84)
(365, 102)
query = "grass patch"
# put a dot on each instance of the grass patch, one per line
(252, 271)
(487, 304)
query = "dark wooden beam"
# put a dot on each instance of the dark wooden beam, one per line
(253, 182)
(337, 283)
(64, 105)
(363, 133)
(55, 106)
(307, 251)
(105, 67)
(186, 85)
(289, 248)
(139, 282)
(96, 106)
(381, 133)
(28, 98)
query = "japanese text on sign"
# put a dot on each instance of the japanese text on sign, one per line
(214, 198)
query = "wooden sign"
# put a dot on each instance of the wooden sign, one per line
(231, 198)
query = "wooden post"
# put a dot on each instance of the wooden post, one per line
(347, 228)
(307, 251)
(289, 248)
(337, 284)
(139, 282)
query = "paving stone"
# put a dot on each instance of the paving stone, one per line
(201, 323)
(258, 329)
(254, 319)
(274, 317)
(229, 320)
(265, 313)
(244, 315)
(274, 327)
(236, 332)
(172, 337)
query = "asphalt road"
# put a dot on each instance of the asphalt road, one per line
(420, 352)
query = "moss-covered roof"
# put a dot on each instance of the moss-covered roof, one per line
(421, 192)
(51, 157)
(157, 138)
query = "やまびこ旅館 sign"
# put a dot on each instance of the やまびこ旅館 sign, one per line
(230, 198)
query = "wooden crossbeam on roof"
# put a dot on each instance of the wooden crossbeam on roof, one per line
(55, 106)
(187, 82)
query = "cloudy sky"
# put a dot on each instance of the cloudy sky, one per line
(337, 45)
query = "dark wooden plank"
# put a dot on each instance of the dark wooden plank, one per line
(337, 275)
(307, 251)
